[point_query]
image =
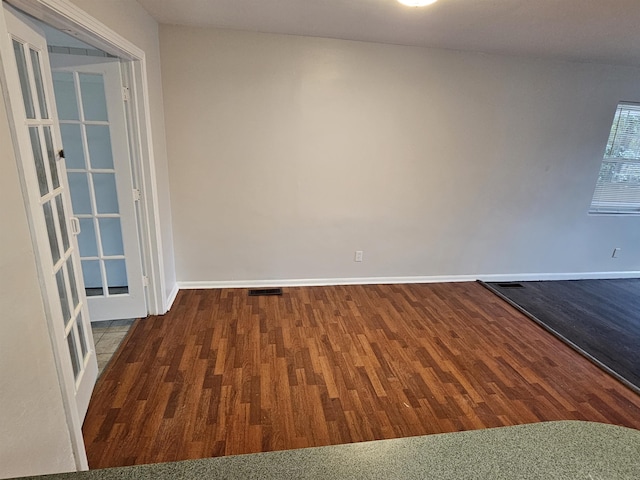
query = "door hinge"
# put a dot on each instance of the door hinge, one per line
(125, 94)
(145, 281)
(137, 195)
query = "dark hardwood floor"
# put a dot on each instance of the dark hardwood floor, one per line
(599, 317)
(224, 373)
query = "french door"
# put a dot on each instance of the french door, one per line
(89, 96)
(47, 197)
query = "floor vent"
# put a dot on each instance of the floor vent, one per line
(262, 292)
(510, 285)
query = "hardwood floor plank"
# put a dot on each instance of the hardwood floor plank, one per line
(224, 373)
(598, 317)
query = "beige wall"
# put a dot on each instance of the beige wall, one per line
(289, 153)
(33, 431)
(130, 20)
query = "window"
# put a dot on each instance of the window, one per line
(618, 186)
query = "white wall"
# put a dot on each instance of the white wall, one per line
(130, 20)
(34, 438)
(288, 153)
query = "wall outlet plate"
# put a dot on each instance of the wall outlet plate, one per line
(358, 256)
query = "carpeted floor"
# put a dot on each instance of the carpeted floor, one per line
(599, 318)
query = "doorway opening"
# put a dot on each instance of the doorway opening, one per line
(27, 83)
(91, 103)
(66, 18)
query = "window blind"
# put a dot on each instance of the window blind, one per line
(618, 185)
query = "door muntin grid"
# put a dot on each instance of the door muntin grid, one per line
(91, 173)
(39, 122)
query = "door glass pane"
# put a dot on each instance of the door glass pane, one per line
(83, 338)
(24, 79)
(41, 170)
(64, 297)
(92, 277)
(72, 144)
(62, 223)
(37, 76)
(116, 276)
(51, 232)
(94, 102)
(80, 197)
(65, 93)
(72, 283)
(111, 236)
(87, 238)
(71, 341)
(104, 185)
(99, 143)
(51, 155)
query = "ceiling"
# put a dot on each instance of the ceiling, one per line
(605, 31)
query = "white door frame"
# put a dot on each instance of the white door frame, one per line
(64, 15)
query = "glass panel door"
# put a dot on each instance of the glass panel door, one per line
(51, 198)
(49, 204)
(91, 114)
(87, 140)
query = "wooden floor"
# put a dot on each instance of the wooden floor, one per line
(224, 373)
(599, 317)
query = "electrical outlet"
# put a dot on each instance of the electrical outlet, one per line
(358, 257)
(616, 252)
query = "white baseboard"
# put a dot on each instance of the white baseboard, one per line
(172, 297)
(532, 277)
(313, 282)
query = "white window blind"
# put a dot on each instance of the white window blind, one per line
(618, 186)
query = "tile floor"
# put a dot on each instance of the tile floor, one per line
(107, 337)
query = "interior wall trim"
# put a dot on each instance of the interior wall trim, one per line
(312, 282)
(171, 297)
